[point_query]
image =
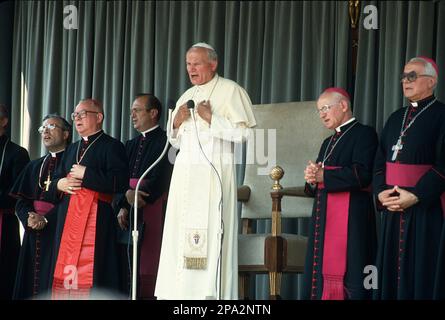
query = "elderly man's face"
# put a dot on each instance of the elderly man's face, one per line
(420, 88)
(199, 68)
(332, 111)
(87, 119)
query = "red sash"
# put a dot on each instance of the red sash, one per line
(335, 243)
(151, 245)
(3, 211)
(42, 207)
(73, 275)
(407, 175)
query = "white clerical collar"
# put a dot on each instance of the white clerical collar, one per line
(86, 138)
(414, 104)
(338, 129)
(210, 83)
(151, 129)
(54, 154)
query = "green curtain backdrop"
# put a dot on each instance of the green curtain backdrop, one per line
(6, 31)
(405, 29)
(277, 50)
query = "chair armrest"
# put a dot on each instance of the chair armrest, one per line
(293, 192)
(243, 193)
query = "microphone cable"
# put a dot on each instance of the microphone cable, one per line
(191, 106)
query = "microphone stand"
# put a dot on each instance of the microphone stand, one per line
(135, 232)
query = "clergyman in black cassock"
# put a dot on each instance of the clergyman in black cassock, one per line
(13, 159)
(409, 179)
(93, 169)
(37, 216)
(342, 238)
(142, 152)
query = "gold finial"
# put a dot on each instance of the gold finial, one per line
(354, 12)
(276, 174)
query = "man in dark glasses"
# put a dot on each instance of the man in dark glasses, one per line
(37, 216)
(409, 180)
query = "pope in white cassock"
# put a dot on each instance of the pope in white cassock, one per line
(189, 262)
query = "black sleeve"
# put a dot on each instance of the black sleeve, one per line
(158, 177)
(22, 207)
(359, 174)
(432, 184)
(19, 159)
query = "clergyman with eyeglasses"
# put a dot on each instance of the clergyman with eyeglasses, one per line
(93, 170)
(13, 158)
(342, 236)
(37, 216)
(409, 180)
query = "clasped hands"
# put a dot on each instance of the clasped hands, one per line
(73, 181)
(204, 111)
(36, 221)
(397, 199)
(313, 172)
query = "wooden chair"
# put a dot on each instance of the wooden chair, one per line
(299, 134)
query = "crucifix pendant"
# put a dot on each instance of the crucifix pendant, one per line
(47, 182)
(395, 148)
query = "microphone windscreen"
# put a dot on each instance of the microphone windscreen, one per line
(171, 104)
(190, 104)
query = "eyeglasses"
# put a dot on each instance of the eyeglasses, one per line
(412, 76)
(50, 127)
(326, 108)
(82, 114)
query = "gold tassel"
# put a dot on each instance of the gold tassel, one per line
(195, 263)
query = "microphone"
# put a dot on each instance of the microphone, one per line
(190, 104)
(171, 104)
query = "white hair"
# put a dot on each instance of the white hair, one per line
(210, 50)
(429, 69)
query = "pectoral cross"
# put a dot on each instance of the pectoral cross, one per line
(47, 183)
(398, 146)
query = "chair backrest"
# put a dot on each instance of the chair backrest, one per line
(299, 135)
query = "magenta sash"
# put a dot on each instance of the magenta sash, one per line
(407, 175)
(335, 243)
(151, 244)
(42, 207)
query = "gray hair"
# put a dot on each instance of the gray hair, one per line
(211, 53)
(429, 69)
(339, 97)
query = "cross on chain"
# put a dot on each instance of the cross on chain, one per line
(398, 146)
